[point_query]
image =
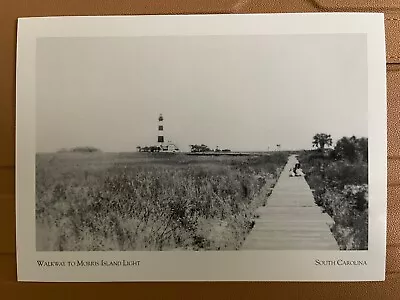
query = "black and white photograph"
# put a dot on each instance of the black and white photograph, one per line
(202, 143)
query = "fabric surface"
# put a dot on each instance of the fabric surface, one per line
(9, 289)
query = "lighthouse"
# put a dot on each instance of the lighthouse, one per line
(160, 130)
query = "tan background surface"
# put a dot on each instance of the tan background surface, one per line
(10, 289)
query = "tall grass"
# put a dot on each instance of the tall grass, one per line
(341, 188)
(88, 202)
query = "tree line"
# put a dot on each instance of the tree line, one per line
(204, 148)
(347, 148)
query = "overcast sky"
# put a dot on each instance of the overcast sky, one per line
(239, 92)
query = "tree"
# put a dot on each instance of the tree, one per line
(321, 140)
(155, 149)
(362, 148)
(199, 148)
(352, 148)
(346, 148)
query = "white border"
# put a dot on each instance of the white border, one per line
(202, 266)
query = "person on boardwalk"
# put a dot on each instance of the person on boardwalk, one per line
(297, 170)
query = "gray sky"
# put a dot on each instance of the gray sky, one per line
(239, 92)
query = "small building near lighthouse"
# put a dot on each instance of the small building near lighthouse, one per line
(170, 147)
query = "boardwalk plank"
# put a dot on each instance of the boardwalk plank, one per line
(291, 220)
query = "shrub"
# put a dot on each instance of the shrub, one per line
(352, 149)
(341, 188)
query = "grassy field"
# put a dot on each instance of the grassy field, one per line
(143, 201)
(341, 188)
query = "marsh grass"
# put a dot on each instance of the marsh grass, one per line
(136, 201)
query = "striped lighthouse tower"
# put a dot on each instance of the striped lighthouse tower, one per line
(160, 130)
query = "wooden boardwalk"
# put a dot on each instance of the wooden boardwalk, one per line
(291, 220)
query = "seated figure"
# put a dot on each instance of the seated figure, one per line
(299, 172)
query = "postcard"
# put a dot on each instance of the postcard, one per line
(201, 148)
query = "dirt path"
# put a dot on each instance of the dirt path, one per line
(291, 220)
